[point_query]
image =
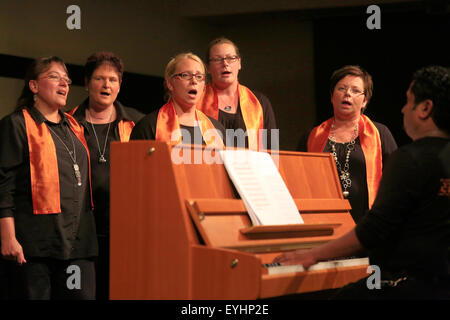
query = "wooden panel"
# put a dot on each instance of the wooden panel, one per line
(310, 176)
(200, 180)
(289, 230)
(216, 206)
(148, 229)
(301, 282)
(224, 274)
(224, 231)
(221, 227)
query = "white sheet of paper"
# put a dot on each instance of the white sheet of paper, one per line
(261, 187)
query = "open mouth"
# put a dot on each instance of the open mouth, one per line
(61, 93)
(192, 92)
(104, 93)
(226, 73)
(346, 103)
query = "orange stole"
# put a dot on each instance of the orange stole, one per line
(251, 109)
(168, 127)
(125, 127)
(45, 191)
(370, 140)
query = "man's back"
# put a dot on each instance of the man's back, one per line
(408, 229)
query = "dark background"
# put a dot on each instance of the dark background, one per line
(412, 35)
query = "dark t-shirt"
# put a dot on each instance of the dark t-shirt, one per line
(100, 170)
(408, 228)
(100, 173)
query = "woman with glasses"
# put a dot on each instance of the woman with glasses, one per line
(232, 104)
(178, 120)
(46, 222)
(360, 147)
(104, 119)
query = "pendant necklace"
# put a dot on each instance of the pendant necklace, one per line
(102, 158)
(228, 107)
(344, 173)
(72, 154)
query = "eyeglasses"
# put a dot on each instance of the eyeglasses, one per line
(229, 60)
(57, 78)
(353, 91)
(188, 76)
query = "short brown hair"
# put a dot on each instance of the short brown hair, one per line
(103, 57)
(356, 71)
(220, 40)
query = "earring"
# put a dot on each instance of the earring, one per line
(34, 97)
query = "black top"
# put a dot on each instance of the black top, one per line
(68, 235)
(100, 170)
(358, 194)
(408, 228)
(235, 121)
(146, 130)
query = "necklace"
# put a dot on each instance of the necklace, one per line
(72, 154)
(344, 176)
(227, 108)
(102, 158)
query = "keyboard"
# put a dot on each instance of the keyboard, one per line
(278, 268)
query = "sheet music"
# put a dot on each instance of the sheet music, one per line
(261, 187)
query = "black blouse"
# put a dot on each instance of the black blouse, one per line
(235, 121)
(100, 170)
(358, 194)
(146, 129)
(70, 234)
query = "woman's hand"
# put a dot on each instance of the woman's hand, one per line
(12, 250)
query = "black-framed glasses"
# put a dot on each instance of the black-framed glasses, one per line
(57, 78)
(353, 91)
(188, 76)
(229, 59)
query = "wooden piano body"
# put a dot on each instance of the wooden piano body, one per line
(178, 231)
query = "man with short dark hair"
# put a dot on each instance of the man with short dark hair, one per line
(407, 231)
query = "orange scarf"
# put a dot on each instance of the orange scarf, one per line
(251, 110)
(168, 127)
(125, 127)
(44, 174)
(369, 138)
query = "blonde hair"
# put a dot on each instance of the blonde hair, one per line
(172, 66)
